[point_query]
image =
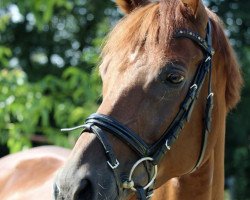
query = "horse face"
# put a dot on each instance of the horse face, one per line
(144, 91)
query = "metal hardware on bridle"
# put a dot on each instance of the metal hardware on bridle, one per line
(129, 184)
(115, 165)
(166, 144)
(101, 125)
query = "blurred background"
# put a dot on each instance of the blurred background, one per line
(49, 52)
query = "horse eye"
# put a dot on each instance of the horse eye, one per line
(175, 78)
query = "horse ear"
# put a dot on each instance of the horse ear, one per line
(192, 4)
(128, 6)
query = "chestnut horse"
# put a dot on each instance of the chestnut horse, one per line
(169, 78)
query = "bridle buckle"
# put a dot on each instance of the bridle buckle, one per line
(167, 145)
(210, 95)
(208, 59)
(115, 165)
(194, 86)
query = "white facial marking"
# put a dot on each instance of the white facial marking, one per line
(133, 56)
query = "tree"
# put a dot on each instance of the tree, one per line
(48, 79)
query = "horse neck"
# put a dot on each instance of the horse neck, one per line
(206, 183)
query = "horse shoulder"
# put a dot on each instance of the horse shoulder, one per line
(167, 190)
(29, 174)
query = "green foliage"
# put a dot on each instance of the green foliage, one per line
(44, 107)
(12, 85)
(4, 20)
(48, 78)
(5, 54)
(42, 10)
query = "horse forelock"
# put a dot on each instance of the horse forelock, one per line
(150, 29)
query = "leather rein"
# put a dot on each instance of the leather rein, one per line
(101, 125)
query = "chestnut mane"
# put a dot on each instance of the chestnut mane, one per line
(229, 62)
(151, 27)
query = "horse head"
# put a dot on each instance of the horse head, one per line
(169, 78)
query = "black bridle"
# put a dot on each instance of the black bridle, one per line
(101, 125)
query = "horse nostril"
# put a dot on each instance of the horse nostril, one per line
(84, 192)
